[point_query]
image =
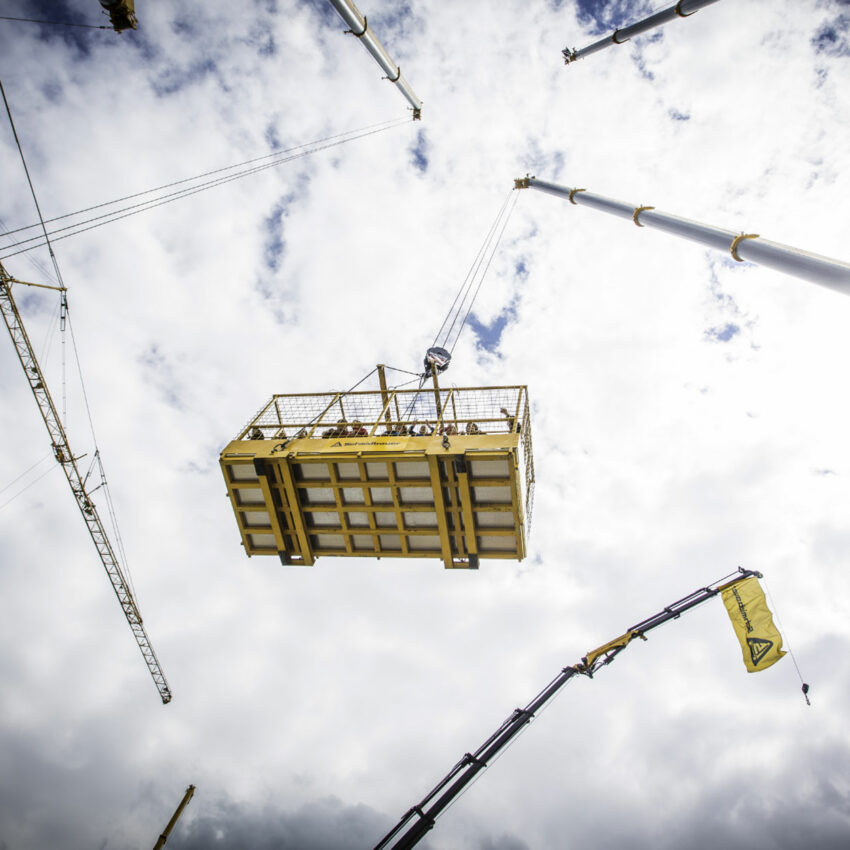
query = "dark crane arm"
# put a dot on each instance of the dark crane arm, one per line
(419, 819)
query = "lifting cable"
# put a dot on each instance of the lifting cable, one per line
(446, 338)
(469, 289)
(277, 157)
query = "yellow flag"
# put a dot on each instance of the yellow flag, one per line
(760, 639)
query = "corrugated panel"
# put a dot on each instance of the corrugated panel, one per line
(412, 469)
(489, 468)
(494, 519)
(249, 496)
(492, 495)
(242, 472)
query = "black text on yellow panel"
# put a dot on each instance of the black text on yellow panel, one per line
(306, 482)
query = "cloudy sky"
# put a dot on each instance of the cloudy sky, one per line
(690, 416)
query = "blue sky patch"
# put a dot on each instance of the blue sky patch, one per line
(328, 15)
(418, 153)
(269, 6)
(172, 80)
(272, 138)
(723, 334)
(489, 336)
(831, 38)
(275, 244)
(642, 67)
(262, 40)
(161, 374)
(604, 15)
(59, 10)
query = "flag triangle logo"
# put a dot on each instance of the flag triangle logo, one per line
(759, 648)
(337, 443)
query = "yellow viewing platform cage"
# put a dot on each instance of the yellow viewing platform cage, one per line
(427, 473)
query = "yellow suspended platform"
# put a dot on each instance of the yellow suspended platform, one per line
(430, 473)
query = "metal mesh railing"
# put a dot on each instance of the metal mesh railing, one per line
(491, 410)
(455, 410)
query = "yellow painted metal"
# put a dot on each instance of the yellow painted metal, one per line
(190, 791)
(367, 490)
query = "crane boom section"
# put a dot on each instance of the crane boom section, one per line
(66, 459)
(419, 819)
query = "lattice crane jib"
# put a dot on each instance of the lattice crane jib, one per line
(66, 459)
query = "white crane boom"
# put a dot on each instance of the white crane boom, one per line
(360, 28)
(682, 9)
(833, 274)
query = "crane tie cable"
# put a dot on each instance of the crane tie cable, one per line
(54, 23)
(133, 209)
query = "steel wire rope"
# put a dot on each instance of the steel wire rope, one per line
(786, 642)
(125, 212)
(467, 281)
(484, 273)
(344, 394)
(26, 472)
(32, 188)
(278, 152)
(487, 249)
(406, 371)
(104, 483)
(49, 336)
(24, 489)
(156, 202)
(54, 23)
(36, 262)
(471, 276)
(406, 383)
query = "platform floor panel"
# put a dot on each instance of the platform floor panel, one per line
(379, 497)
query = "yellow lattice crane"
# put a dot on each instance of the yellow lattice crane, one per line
(68, 461)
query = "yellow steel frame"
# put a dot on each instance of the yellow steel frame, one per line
(458, 498)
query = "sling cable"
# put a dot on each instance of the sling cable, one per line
(65, 457)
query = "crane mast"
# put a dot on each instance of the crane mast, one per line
(66, 459)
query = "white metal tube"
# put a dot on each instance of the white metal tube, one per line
(359, 26)
(682, 9)
(824, 271)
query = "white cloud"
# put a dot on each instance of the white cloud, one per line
(340, 694)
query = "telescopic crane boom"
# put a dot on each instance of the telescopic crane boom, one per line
(418, 820)
(361, 29)
(177, 812)
(68, 462)
(682, 9)
(833, 274)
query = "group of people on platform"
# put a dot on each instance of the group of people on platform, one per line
(413, 429)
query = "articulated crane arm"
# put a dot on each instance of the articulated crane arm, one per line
(418, 820)
(66, 459)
